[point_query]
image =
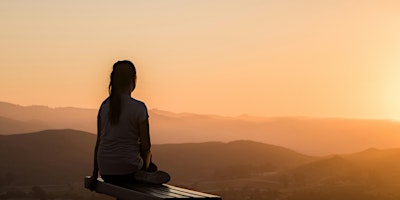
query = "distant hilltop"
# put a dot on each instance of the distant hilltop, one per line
(65, 156)
(60, 156)
(311, 136)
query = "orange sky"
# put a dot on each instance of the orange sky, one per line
(264, 58)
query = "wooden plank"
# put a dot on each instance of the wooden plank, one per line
(165, 188)
(143, 191)
(156, 189)
(121, 192)
(211, 196)
(155, 192)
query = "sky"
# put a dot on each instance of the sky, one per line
(255, 57)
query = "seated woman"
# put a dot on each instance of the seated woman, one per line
(122, 152)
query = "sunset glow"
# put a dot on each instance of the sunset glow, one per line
(263, 58)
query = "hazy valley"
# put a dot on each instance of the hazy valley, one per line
(48, 151)
(236, 170)
(311, 136)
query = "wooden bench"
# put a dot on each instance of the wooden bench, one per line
(143, 191)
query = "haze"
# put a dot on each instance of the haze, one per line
(263, 58)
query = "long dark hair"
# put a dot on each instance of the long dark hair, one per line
(122, 78)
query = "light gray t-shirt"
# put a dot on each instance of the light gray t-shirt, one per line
(119, 148)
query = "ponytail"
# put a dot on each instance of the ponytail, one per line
(122, 78)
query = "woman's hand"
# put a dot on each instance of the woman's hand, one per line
(92, 182)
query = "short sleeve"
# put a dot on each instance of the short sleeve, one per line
(142, 113)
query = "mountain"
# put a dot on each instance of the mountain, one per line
(225, 160)
(334, 169)
(57, 118)
(51, 156)
(382, 166)
(60, 156)
(235, 170)
(9, 126)
(311, 136)
(371, 167)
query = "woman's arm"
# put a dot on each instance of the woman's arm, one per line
(95, 174)
(95, 165)
(145, 144)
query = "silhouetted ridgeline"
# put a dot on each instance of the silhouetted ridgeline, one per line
(10, 126)
(37, 118)
(310, 136)
(47, 157)
(236, 170)
(59, 156)
(216, 160)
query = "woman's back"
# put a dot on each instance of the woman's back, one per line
(119, 148)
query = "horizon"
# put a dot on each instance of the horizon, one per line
(308, 135)
(260, 58)
(244, 115)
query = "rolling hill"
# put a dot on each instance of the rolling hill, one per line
(225, 160)
(60, 156)
(52, 156)
(311, 136)
(235, 170)
(10, 126)
(56, 118)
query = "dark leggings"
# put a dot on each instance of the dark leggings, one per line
(126, 178)
(118, 179)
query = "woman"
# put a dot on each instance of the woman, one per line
(122, 152)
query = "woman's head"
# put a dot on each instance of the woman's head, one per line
(122, 81)
(122, 78)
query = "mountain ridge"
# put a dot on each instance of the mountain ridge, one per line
(65, 156)
(59, 156)
(311, 136)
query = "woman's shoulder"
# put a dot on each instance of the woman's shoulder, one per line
(104, 102)
(138, 107)
(136, 102)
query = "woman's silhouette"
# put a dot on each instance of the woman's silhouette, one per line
(122, 152)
